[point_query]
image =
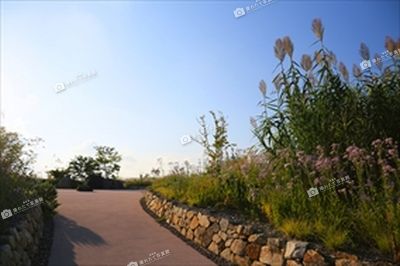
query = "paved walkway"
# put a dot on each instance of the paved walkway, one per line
(110, 228)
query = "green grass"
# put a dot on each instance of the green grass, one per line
(134, 183)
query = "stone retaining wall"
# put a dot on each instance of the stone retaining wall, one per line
(21, 242)
(241, 244)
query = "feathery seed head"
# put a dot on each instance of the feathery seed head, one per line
(390, 44)
(356, 71)
(279, 50)
(343, 70)
(263, 87)
(288, 46)
(318, 29)
(306, 62)
(364, 51)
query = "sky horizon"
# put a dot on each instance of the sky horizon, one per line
(137, 75)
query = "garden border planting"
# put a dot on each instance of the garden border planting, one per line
(242, 243)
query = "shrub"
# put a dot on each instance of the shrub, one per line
(135, 183)
(17, 181)
(46, 190)
(85, 188)
(172, 187)
(203, 191)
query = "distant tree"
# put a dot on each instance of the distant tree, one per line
(83, 168)
(108, 159)
(57, 174)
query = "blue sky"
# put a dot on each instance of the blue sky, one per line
(160, 65)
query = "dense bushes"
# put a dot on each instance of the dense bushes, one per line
(17, 181)
(323, 132)
(135, 183)
(46, 190)
(84, 187)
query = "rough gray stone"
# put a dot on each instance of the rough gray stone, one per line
(227, 254)
(194, 223)
(183, 231)
(223, 235)
(203, 221)
(293, 263)
(213, 247)
(345, 259)
(239, 229)
(247, 230)
(216, 238)
(210, 231)
(253, 237)
(189, 234)
(253, 251)
(213, 219)
(266, 255)
(199, 231)
(190, 214)
(224, 223)
(228, 242)
(269, 257)
(240, 261)
(257, 263)
(238, 246)
(313, 258)
(276, 244)
(295, 249)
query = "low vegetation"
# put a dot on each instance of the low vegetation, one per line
(322, 131)
(136, 183)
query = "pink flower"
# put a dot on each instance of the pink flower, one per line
(392, 152)
(335, 160)
(376, 143)
(353, 152)
(389, 141)
(387, 169)
(323, 164)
